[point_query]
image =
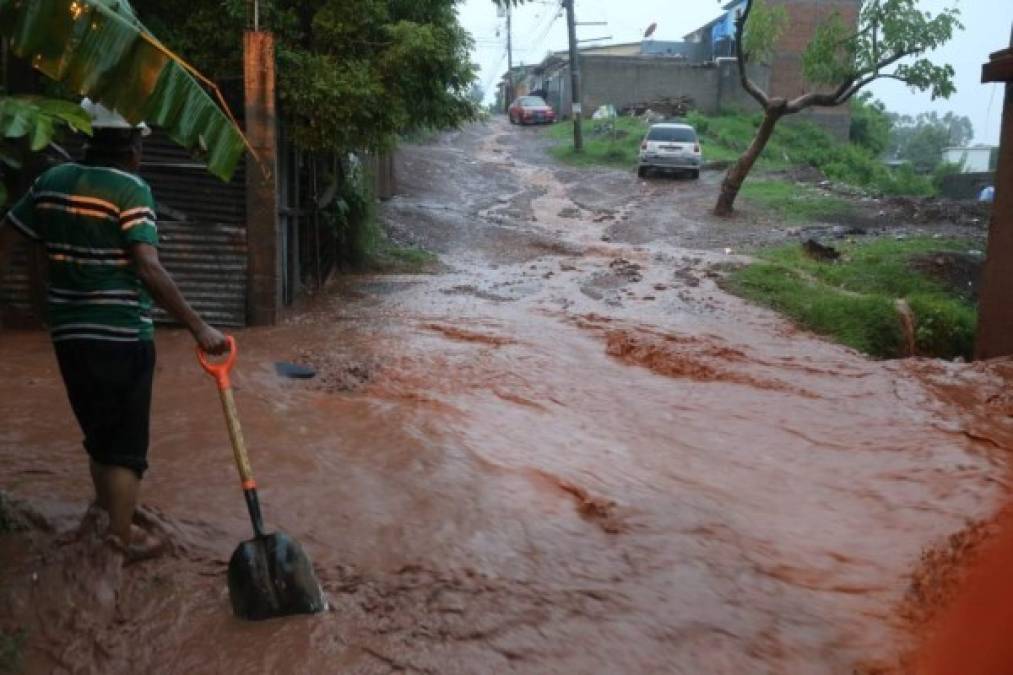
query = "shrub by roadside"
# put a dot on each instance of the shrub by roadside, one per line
(855, 299)
(724, 137)
(804, 144)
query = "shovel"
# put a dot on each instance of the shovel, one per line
(269, 575)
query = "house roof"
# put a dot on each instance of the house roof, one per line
(661, 47)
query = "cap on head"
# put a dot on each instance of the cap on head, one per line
(104, 118)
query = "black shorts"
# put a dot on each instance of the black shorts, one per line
(109, 387)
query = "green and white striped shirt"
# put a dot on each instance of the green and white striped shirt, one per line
(88, 217)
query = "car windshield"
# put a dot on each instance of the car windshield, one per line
(672, 134)
(532, 102)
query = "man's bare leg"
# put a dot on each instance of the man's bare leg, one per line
(116, 490)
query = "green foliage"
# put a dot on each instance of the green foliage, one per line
(830, 56)
(765, 26)
(98, 48)
(725, 137)
(30, 123)
(362, 244)
(854, 301)
(922, 139)
(870, 124)
(804, 144)
(888, 31)
(946, 326)
(39, 119)
(941, 172)
(353, 217)
(621, 150)
(11, 646)
(796, 203)
(352, 74)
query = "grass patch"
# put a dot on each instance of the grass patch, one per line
(853, 300)
(361, 243)
(799, 143)
(621, 151)
(383, 255)
(11, 648)
(796, 203)
(601, 148)
(725, 137)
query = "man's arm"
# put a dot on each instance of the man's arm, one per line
(167, 294)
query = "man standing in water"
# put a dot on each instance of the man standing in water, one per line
(97, 223)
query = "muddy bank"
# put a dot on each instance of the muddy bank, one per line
(560, 454)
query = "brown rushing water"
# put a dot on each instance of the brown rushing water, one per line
(575, 460)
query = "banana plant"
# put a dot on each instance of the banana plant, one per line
(99, 49)
(30, 123)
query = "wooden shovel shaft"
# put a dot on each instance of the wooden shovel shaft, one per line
(236, 436)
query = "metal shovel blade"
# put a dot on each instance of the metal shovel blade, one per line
(271, 576)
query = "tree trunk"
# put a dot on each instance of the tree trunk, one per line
(732, 183)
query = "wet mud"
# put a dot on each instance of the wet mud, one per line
(498, 471)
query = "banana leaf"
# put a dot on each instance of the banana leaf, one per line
(99, 49)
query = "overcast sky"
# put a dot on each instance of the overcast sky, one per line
(538, 29)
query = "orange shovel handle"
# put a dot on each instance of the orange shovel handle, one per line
(219, 371)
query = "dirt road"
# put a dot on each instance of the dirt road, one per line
(566, 452)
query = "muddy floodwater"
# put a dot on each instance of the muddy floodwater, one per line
(566, 451)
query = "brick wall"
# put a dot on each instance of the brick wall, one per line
(786, 66)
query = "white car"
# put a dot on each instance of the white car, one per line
(670, 146)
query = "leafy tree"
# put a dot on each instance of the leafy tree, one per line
(30, 123)
(99, 48)
(871, 124)
(841, 60)
(352, 74)
(922, 139)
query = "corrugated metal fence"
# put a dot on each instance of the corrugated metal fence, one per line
(202, 237)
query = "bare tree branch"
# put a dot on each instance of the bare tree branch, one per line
(845, 90)
(747, 84)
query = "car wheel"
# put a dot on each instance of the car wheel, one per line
(694, 174)
(642, 172)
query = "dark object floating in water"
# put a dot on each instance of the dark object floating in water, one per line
(294, 371)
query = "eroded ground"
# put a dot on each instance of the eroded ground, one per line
(568, 451)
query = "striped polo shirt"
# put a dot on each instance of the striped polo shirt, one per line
(88, 217)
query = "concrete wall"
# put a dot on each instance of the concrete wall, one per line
(966, 185)
(731, 96)
(622, 81)
(625, 80)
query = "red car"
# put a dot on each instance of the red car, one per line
(531, 110)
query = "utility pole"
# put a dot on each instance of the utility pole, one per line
(510, 57)
(571, 26)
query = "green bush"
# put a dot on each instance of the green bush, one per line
(945, 326)
(800, 143)
(11, 646)
(854, 300)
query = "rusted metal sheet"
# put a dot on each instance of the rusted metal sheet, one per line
(17, 309)
(202, 231)
(208, 263)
